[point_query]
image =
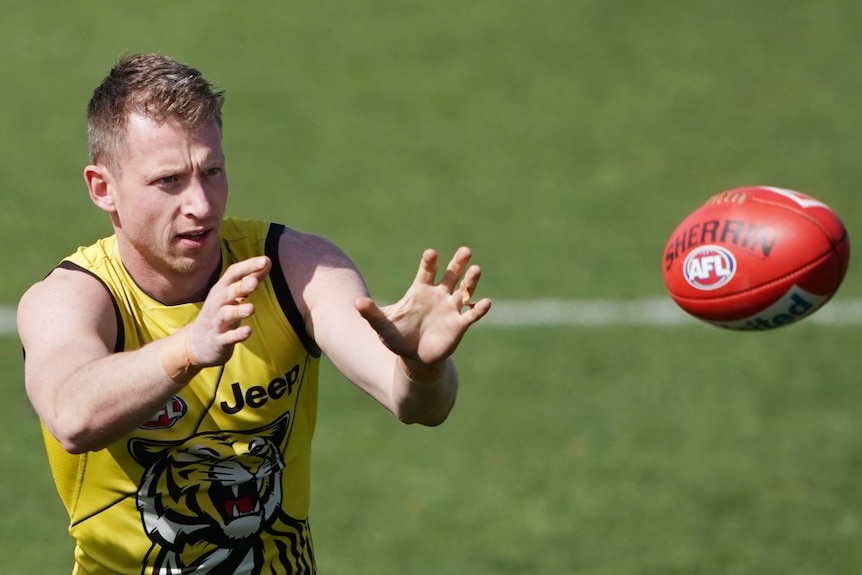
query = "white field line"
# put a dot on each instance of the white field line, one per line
(7, 321)
(658, 311)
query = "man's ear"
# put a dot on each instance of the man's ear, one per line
(100, 183)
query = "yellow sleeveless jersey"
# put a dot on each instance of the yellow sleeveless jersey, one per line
(217, 481)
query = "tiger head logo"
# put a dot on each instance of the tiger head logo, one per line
(214, 492)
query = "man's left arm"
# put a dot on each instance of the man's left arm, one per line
(399, 354)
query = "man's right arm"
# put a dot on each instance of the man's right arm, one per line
(87, 395)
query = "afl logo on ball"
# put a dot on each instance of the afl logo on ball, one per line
(709, 267)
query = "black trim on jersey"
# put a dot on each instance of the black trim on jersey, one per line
(120, 344)
(210, 402)
(282, 291)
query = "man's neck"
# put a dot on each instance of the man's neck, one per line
(171, 287)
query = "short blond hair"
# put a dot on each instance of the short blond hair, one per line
(151, 85)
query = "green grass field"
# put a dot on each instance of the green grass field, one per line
(563, 141)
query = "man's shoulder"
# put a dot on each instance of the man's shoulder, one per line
(312, 249)
(291, 243)
(64, 291)
(66, 279)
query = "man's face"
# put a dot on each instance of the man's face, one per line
(170, 196)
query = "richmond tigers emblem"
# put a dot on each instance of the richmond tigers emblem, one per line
(212, 504)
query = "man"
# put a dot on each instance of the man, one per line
(174, 364)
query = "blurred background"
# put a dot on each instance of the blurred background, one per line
(562, 141)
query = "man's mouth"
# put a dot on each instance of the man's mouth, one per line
(196, 236)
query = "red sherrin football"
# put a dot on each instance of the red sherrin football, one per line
(756, 258)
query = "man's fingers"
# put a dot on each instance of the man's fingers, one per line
(231, 314)
(469, 283)
(243, 288)
(219, 326)
(427, 272)
(477, 311)
(371, 312)
(257, 267)
(456, 267)
(242, 278)
(252, 266)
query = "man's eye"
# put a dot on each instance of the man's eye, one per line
(167, 180)
(214, 171)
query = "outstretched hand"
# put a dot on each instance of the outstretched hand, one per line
(218, 327)
(426, 325)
